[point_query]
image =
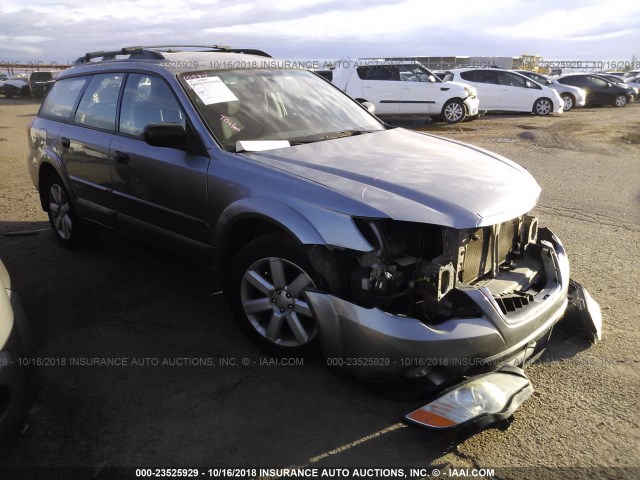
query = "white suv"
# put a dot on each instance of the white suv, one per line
(508, 91)
(405, 89)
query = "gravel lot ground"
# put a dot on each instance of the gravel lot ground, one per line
(121, 299)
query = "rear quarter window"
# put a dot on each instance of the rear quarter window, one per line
(62, 98)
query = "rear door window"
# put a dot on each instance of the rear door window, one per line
(62, 98)
(100, 102)
(487, 76)
(469, 76)
(379, 72)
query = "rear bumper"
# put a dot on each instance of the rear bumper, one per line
(377, 346)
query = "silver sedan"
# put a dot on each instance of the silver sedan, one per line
(572, 96)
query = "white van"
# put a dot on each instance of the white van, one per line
(405, 89)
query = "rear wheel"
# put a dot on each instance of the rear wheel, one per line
(621, 100)
(568, 100)
(542, 107)
(268, 281)
(453, 111)
(66, 226)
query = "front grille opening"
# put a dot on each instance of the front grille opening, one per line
(512, 302)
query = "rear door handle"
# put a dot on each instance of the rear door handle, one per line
(121, 158)
(65, 142)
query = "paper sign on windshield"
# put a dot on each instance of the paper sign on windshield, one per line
(211, 90)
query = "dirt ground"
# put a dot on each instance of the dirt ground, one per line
(121, 299)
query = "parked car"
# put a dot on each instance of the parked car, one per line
(599, 90)
(17, 86)
(617, 74)
(507, 91)
(571, 96)
(39, 83)
(620, 82)
(631, 74)
(16, 384)
(634, 82)
(405, 89)
(333, 231)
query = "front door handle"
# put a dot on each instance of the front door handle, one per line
(121, 158)
(65, 142)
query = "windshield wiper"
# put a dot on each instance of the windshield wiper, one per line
(330, 136)
(347, 133)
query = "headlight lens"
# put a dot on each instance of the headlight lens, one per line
(484, 395)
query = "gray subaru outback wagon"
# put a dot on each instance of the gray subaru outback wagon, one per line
(399, 255)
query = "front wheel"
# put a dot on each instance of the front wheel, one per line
(65, 224)
(453, 111)
(568, 102)
(621, 100)
(268, 281)
(542, 107)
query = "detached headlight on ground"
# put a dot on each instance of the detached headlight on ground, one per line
(479, 401)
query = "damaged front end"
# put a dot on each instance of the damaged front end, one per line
(433, 305)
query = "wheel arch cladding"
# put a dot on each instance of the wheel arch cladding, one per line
(47, 174)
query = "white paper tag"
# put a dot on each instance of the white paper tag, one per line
(260, 145)
(211, 90)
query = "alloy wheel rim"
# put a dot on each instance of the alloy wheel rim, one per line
(273, 296)
(60, 212)
(620, 101)
(568, 103)
(543, 107)
(453, 112)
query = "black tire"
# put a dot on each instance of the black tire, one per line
(620, 101)
(569, 101)
(453, 111)
(65, 225)
(543, 107)
(279, 321)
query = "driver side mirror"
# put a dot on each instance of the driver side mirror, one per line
(432, 79)
(369, 106)
(528, 84)
(168, 135)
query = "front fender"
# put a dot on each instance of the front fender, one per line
(309, 224)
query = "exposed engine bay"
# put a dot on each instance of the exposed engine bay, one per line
(420, 271)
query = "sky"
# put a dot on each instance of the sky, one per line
(60, 31)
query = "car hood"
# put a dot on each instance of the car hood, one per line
(414, 177)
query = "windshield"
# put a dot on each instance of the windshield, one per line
(292, 105)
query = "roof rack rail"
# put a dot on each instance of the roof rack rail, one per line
(156, 52)
(206, 48)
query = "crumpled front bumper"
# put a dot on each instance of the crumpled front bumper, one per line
(472, 104)
(377, 346)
